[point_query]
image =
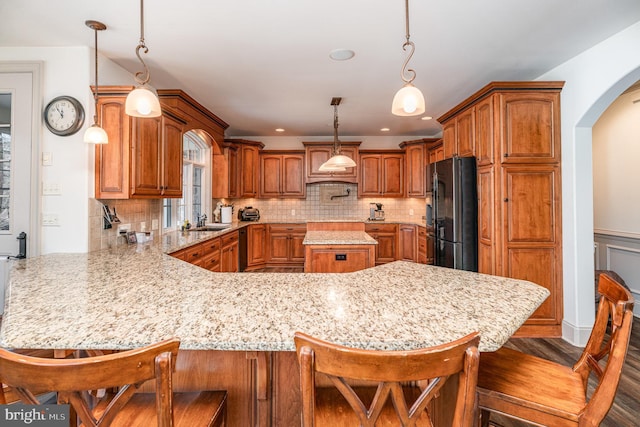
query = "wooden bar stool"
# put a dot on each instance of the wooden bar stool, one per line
(392, 397)
(74, 379)
(542, 392)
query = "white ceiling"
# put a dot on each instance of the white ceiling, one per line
(261, 64)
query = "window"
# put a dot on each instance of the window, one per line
(5, 162)
(196, 193)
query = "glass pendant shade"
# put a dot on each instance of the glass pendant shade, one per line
(96, 135)
(408, 101)
(142, 102)
(340, 161)
(325, 167)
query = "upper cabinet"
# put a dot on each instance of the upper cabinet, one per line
(458, 135)
(416, 160)
(318, 152)
(381, 173)
(244, 164)
(282, 174)
(143, 158)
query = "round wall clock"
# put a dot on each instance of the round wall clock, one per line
(64, 115)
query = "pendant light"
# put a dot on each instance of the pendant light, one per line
(338, 162)
(95, 134)
(408, 101)
(143, 100)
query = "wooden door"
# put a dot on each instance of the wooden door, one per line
(250, 163)
(370, 175)
(393, 175)
(449, 141)
(278, 246)
(292, 176)
(296, 248)
(146, 157)
(408, 243)
(532, 234)
(485, 135)
(415, 170)
(232, 158)
(530, 127)
(270, 175)
(487, 261)
(256, 244)
(316, 153)
(465, 133)
(112, 159)
(171, 158)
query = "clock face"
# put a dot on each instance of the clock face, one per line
(64, 115)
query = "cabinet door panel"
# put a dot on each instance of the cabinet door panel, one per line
(530, 127)
(293, 176)
(112, 159)
(415, 160)
(249, 173)
(278, 247)
(171, 158)
(408, 243)
(146, 160)
(296, 249)
(485, 137)
(370, 175)
(393, 175)
(449, 142)
(531, 204)
(465, 132)
(536, 265)
(270, 165)
(486, 221)
(257, 239)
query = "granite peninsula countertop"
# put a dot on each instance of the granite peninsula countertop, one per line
(338, 238)
(130, 296)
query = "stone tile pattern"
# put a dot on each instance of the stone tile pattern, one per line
(128, 296)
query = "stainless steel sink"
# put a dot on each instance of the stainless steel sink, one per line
(214, 226)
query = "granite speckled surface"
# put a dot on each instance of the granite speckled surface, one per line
(338, 238)
(131, 296)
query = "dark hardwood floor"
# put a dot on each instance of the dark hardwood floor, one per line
(625, 411)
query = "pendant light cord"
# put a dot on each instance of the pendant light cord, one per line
(336, 141)
(95, 91)
(407, 44)
(142, 77)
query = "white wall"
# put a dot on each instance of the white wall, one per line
(368, 142)
(616, 167)
(67, 71)
(593, 80)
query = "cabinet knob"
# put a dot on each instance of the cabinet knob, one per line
(506, 199)
(506, 154)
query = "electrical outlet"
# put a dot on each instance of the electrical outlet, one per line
(410, 211)
(50, 220)
(51, 189)
(143, 226)
(47, 159)
(154, 224)
(123, 228)
(293, 212)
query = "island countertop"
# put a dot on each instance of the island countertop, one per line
(338, 238)
(130, 296)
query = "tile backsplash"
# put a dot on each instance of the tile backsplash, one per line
(134, 212)
(319, 205)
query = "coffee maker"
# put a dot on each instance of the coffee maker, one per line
(375, 212)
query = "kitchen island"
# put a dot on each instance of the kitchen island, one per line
(236, 329)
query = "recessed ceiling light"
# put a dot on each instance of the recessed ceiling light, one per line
(341, 54)
(426, 118)
(385, 130)
(279, 130)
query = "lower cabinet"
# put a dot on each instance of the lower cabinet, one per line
(338, 258)
(229, 253)
(425, 246)
(256, 246)
(284, 244)
(387, 237)
(408, 243)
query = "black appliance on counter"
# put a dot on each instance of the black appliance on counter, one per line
(452, 217)
(249, 213)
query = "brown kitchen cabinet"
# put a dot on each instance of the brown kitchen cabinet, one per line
(425, 246)
(517, 145)
(458, 135)
(381, 173)
(408, 243)
(284, 243)
(229, 252)
(282, 174)
(416, 155)
(387, 237)
(256, 246)
(211, 256)
(318, 152)
(338, 258)
(144, 156)
(244, 166)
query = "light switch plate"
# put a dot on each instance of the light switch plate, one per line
(51, 189)
(47, 159)
(50, 220)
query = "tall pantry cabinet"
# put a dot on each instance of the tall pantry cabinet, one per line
(513, 130)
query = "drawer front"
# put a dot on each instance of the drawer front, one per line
(287, 228)
(212, 245)
(380, 228)
(230, 238)
(211, 262)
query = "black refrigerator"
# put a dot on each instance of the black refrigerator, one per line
(453, 214)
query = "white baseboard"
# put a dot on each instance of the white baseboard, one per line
(575, 335)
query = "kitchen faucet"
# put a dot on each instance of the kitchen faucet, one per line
(201, 220)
